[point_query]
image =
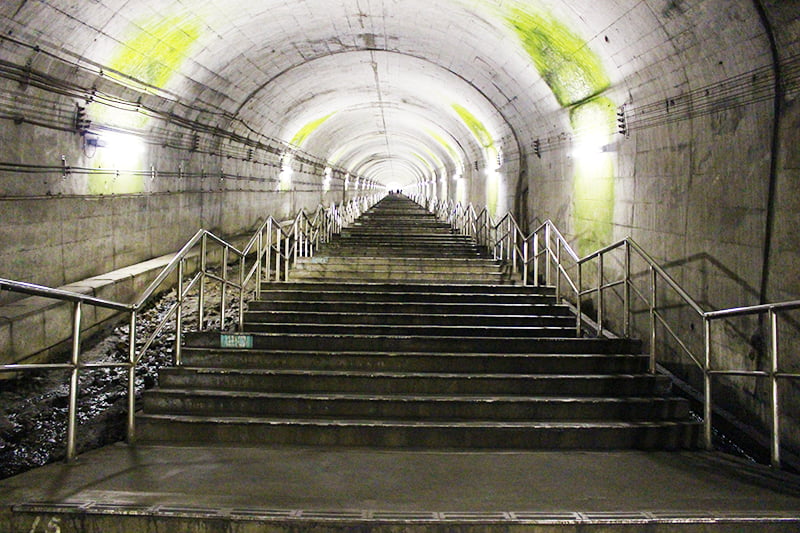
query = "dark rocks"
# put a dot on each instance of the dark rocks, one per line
(34, 417)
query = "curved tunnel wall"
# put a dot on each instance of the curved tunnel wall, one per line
(125, 126)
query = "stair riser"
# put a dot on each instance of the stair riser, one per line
(301, 383)
(426, 331)
(409, 308)
(417, 252)
(406, 240)
(409, 319)
(456, 277)
(383, 409)
(395, 298)
(427, 288)
(390, 268)
(659, 438)
(402, 279)
(405, 243)
(366, 343)
(544, 364)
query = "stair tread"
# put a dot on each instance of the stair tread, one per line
(371, 422)
(405, 375)
(395, 354)
(444, 398)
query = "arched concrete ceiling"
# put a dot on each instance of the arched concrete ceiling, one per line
(354, 81)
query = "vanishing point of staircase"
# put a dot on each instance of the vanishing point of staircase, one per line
(400, 333)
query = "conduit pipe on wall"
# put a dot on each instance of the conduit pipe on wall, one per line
(774, 150)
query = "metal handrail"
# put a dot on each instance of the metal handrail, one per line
(554, 247)
(299, 237)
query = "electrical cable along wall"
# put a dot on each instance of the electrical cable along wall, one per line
(138, 191)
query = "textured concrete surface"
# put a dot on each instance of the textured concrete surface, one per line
(468, 481)
(419, 483)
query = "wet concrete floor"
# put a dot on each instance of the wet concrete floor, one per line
(358, 481)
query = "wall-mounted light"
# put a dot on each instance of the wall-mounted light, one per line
(120, 150)
(285, 177)
(326, 179)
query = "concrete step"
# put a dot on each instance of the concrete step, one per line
(447, 288)
(425, 308)
(273, 292)
(478, 276)
(311, 278)
(428, 344)
(406, 319)
(415, 262)
(403, 240)
(558, 328)
(421, 252)
(371, 382)
(452, 363)
(416, 434)
(214, 403)
(434, 266)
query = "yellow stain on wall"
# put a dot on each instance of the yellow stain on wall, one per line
(594, 124)
(158, 49)
(304, 132)
(152, 55)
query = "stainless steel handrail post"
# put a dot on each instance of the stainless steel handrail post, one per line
(223, 289)
(278, 253)
(653, 323)
(578, 298)
(707, 435)
(297, 243)
(179, 315)
(131, 424)
(558, 269)
(600, 295)
(626, 292)
(287, 258)
(547, 266)
(536, 259)
(775, 441)
(72, 412)
(525, 259)
(259, 262)
(201, 298)
(507, 239)
(268, 267)
(242, 267)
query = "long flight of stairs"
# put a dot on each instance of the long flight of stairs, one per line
(402, 334)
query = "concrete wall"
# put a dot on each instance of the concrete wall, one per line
(691, 184)
(59, 226)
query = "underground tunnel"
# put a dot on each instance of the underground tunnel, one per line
(126, 127)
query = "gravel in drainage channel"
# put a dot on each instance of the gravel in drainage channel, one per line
(33, 406)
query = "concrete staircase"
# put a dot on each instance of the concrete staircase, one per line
(399, 241)
(401, 334)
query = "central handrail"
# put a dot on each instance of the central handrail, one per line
(281, 242)
(547, 247)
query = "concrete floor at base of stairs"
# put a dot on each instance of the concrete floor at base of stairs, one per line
(356, 482)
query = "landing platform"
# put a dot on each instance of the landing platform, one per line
(122, 488)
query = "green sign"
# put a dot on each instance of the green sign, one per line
(235, 340)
